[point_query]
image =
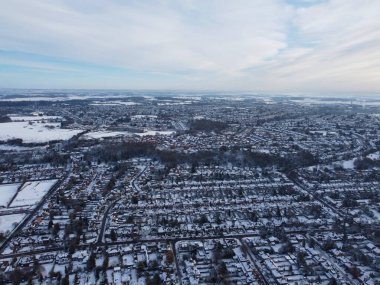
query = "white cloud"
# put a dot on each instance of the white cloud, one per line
(241, 44)
(163, 35)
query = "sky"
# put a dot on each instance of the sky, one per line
(313, 46)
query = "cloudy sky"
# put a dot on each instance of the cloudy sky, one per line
(257, 45)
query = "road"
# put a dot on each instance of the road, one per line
(258, 271)
(133, 181)
(329, 206)
(52, 190)
(179, 273)
(172, 240)
(32, 214)
(311, 192)
(110, 206)
(104, 222)
(332, 261)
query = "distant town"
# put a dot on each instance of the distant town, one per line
(144, 187)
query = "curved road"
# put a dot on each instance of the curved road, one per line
(105, 216)
(32, 213)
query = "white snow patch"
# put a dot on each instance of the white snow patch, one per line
(143, 117)
(36, 132)
(8, 222)
(7, 191)
(33, 118)
(104, 134)
(8, 147)
(128, 103)
(172, 103)
(114, 103)
(107, 134)
(154, 133)
(376, 214)
(349, 164)
(375, 155)
(32, 192)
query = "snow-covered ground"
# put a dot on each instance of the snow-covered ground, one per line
(349, 164)
(320, 101)
(154, 133)
(143, 117)
(7, 191)
(171, 103)
(33, 118)
(107, 134)
(375, 155)
(8, 147)
(32, 192)
(114, 103)
(8, 222)
(104, 104)
(376, 214)
(104, 134)
(37, 132)
(324, 133)
(33, 98)
(191, 97)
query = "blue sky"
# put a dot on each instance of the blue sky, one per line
(257, 45)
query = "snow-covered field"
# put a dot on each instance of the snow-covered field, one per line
(171, 103)
(114, 103)
(104, 134)
(324, 101)
(8, 147)
(33, 118)
(349, 164)
(154, 133)
(8, 222)
(143, 117)
(107, 134)
(33, 98)
(375, 155)
(37, 132)
(32, 192)
(7, 191)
